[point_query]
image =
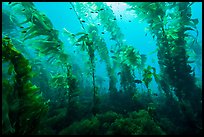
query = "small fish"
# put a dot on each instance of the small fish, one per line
(111, 51)
(9, 3)
(96, 12)
(77, 44)
(24, 31)
(101, 9)
(21, 27)
(114, 57)
(114, 19)
(70, 8)
(138, 81)
(120, 15)
(82, 21)
(92, 12)
(99, 24)
(86, 14)
(23, 10)
(118, 73)
(190, 61)
(102, 32)
(155, 94)
(129, 20)
(111, 38)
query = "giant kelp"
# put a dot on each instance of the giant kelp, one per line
(97, 39)
(86, 44)
(39, 32)
(123, 55)
(105, 14)
(171, 40)
(69, 77)
(31, 108)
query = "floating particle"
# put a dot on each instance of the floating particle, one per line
(70, 8)
(129, 20)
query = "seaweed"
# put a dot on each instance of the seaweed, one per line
(40, 26)
(172, 52)
(114, 124)
(148, 74)
(32, 108)
(86, 44)
(94, 86)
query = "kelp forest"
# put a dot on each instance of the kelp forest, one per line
(92, 80)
